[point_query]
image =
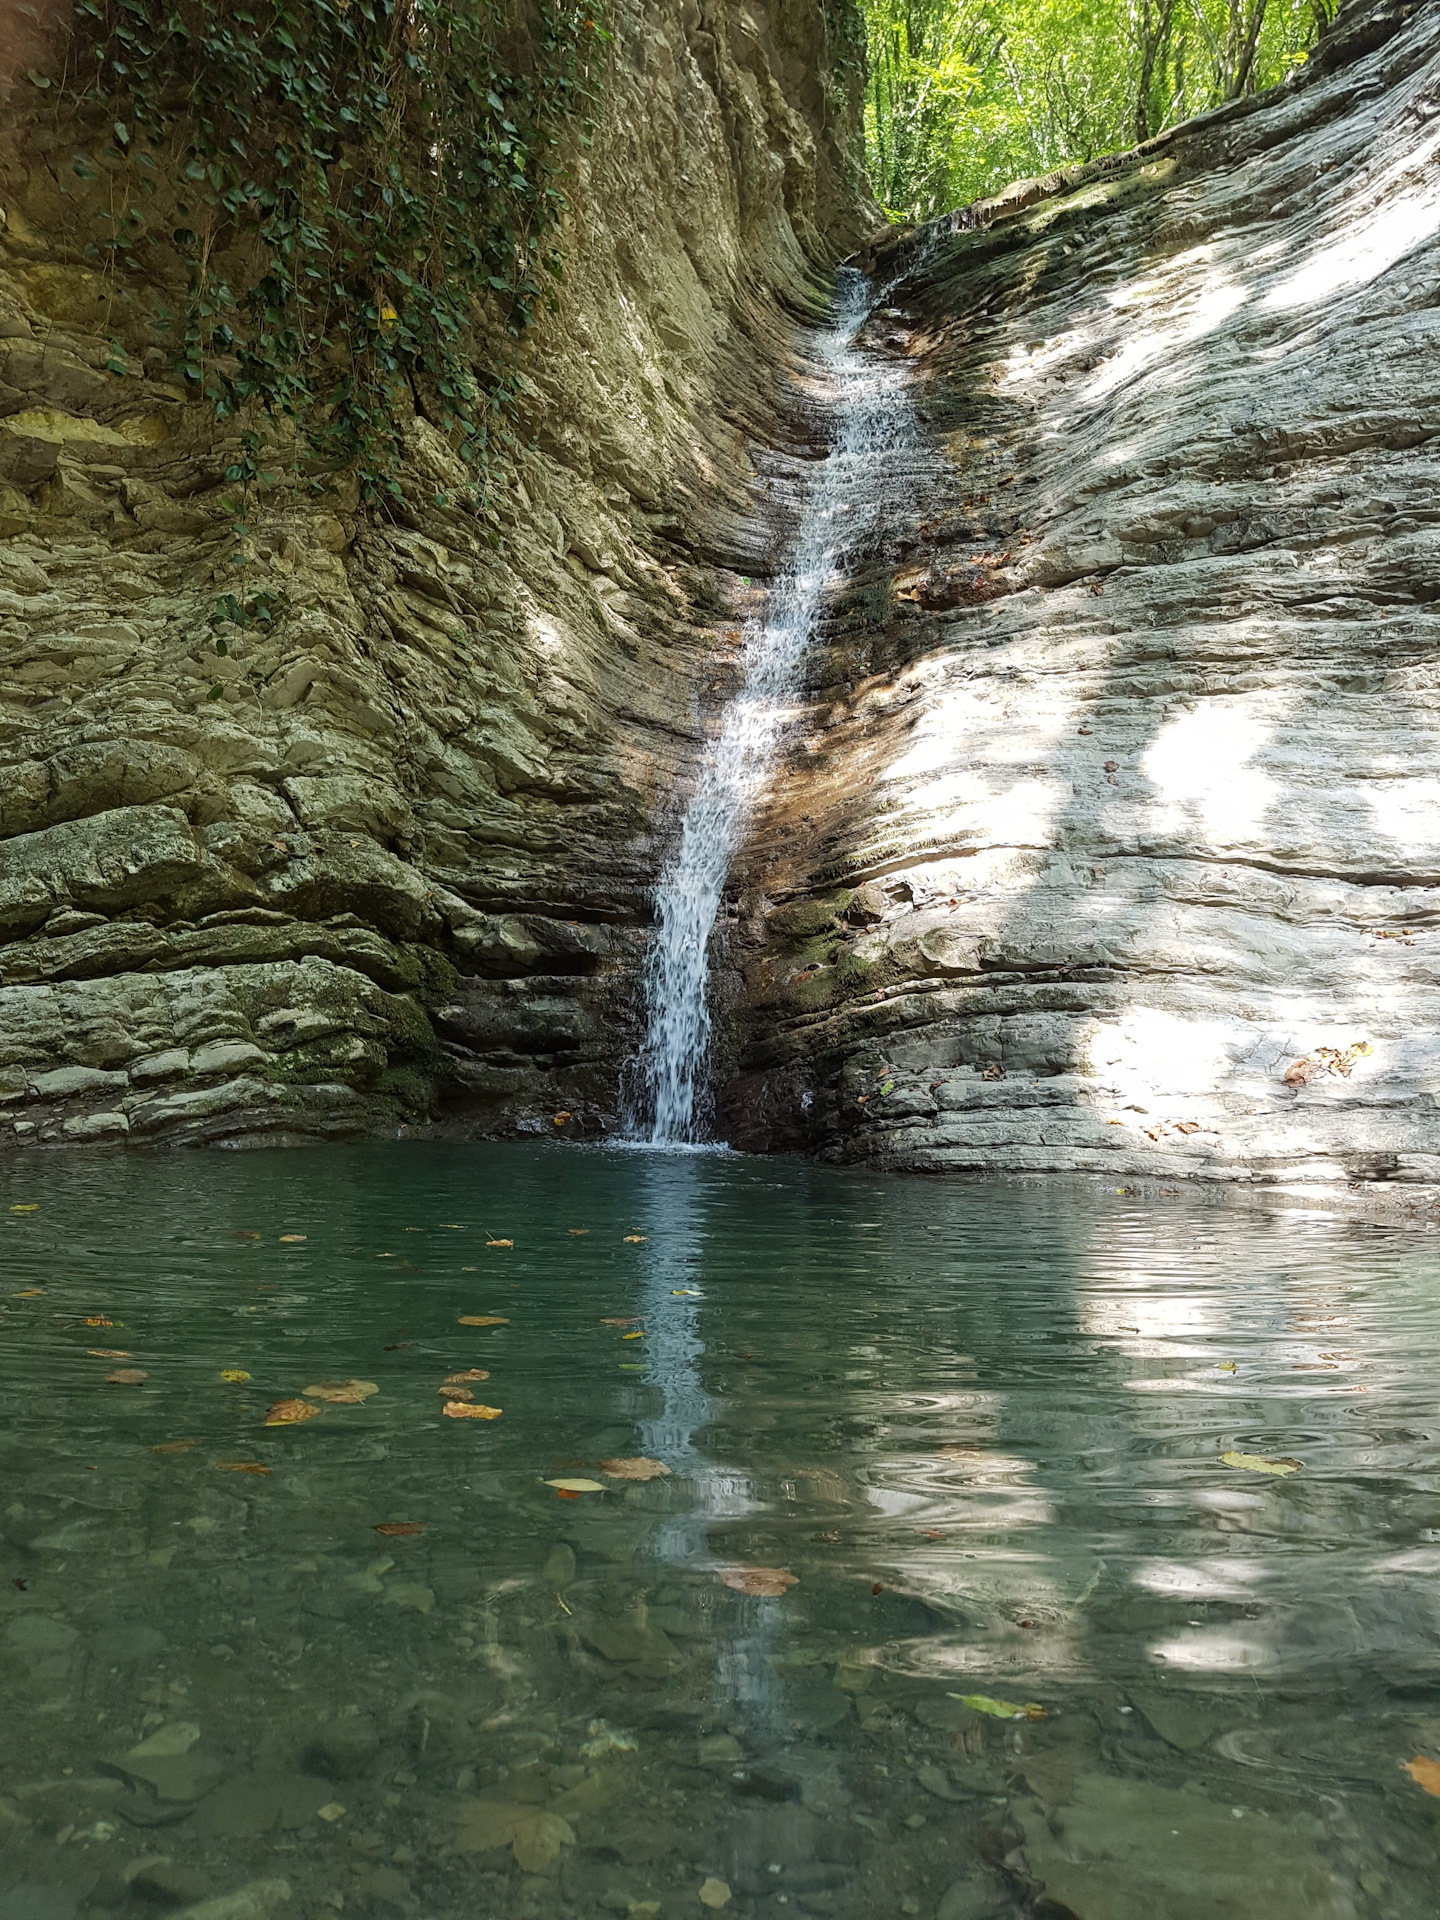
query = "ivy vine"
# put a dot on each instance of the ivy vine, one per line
(362, 194)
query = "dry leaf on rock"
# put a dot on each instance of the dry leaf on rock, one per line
(576, 1486)
(1425, 1773)
(470, 1373)
(455, 1393)
(714, 1893)
(342, 1393)
(243, 1466)
(768, 1582)
(637, 1469)
(460, 1410)
(1260, 1463)
(289, 1413)
(127, 1377)
(483, 1320)
(399, 1529)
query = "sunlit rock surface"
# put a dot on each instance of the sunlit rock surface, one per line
(388, 857)
(1111, 829)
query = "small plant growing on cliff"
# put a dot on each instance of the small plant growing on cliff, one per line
(361, 196)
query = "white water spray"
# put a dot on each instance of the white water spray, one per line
(874, 430)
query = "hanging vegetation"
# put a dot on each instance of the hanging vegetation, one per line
(359, 193)
(967, 95)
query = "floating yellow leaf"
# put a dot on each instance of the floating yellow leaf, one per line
(633, 1336)
(1425, 1773)
(29, 1293)
(175, 1446)
(768, 1582)
(714, 1893)
(233, 1374)
(470, 1373)
(1000, 1709)
(95, 1319)
(332, 1812)
(243, 1466)
(685, 1293)
(292, 1236)
(289, 1413)
(342, 1393)
(108, 1353)
(1225, 1366)
(499, 1243)
(576, 1486)
(637, 1469)
(483, 1320)
(561, 1118)
(127, 1377)
(32, 1207)
(461, 1410)
(634, 1239)
(1259, 1463)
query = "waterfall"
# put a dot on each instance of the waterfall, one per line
(874, 427)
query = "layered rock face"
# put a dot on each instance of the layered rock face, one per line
(1110, 832)
(385, 856)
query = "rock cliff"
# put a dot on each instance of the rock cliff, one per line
(1109, 835)
(384, 858)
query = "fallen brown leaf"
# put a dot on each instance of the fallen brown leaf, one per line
(470, 1373)
(342, 1393)
(455, 1393)
(243, 1466)
(499, 1243)
(108, 1353)
(175, 1446)
(293, 1236)
(1425, 1773)
(484, 1320)
(768, 1582)
(637, 1469)
(127, 1377)
(399, 1529)
(459, 1410)
(289, 1413)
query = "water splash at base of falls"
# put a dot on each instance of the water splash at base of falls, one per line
(874, 429)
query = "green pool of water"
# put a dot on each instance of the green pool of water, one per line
(925, 1444)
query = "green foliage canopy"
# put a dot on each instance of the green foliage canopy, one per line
(964, 96)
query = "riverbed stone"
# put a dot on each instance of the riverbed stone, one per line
(1128, 1850)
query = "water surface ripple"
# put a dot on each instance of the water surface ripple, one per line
(974, 1434)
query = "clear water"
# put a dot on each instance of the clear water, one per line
(981, 1428)
(863, 479)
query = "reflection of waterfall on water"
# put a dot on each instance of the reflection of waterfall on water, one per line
(676, 1214)
(875, 435)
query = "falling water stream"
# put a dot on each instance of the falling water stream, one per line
(874, 430)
